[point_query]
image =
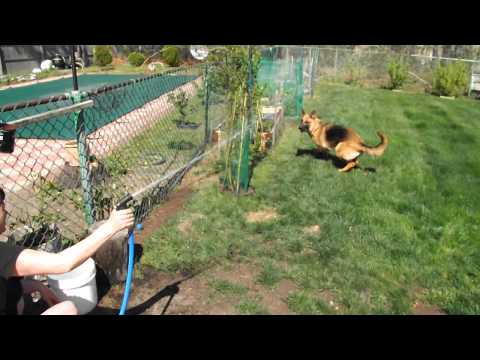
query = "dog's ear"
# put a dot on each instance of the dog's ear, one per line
(313, 113)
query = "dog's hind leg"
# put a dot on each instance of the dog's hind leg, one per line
(349, 166)
(347, 153)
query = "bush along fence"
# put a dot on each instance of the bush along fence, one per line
(77, 154)
(262, 89)
(393, 70)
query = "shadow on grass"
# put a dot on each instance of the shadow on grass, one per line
(168, 291)
(337, 162)
(256, 159)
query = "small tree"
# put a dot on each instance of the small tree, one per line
(180, 101)
(354, 71)
(398, 72)
(450, 80)
(136, 58)
(171, 55)
(102, 55)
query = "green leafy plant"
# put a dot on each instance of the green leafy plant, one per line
(47, 73)
(398, 72)
(180, 145)
(289, 103)
(268, 90)
(251, 307)
(267, 126)
(230, 78)
(171, 55)
(450, 80)
(354, 72)
(115, 167)
(103, 201)
(201, 95)
(47, 193)
(136, 58)
(102, 55)
(180, 101)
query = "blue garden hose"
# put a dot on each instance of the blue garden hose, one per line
(123, 204)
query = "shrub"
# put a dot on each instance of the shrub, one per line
(398, 72)
(171, 55)
(47, 73)
(450, 80)
(180, 101)
(102, 56)
(136, 58)
(354, 72)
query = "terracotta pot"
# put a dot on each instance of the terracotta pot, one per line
(216, 136)
(265, 138)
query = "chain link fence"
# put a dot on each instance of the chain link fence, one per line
(77, 154)
(370, 68)
(70, 168)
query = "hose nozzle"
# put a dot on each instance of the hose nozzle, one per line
(123, 203)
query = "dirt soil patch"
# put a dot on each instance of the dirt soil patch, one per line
(262, 216)
(164, 212)
(274, 300)
(186, 225)
(199, 177)
(312, 230)
(420, 308)
(159, 293)
(329, 298)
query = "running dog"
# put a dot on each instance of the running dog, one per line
(347, 143)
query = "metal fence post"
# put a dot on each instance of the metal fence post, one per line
(83, 157)
(336, 60)
(299, 86)
(3, 65)
(314, 70)
(206, 100)
(310, 55)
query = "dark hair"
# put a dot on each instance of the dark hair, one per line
(2, 195)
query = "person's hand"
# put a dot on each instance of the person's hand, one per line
(121, 219)
(7, 127)
(30, 286)
(49, 296)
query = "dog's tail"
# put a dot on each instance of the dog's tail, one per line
(379, 149)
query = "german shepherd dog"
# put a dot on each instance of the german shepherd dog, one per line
(347, 143)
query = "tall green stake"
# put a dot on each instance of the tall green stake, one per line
(206, 96)
(244, 177)
(299, 85)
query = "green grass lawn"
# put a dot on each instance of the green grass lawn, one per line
(407, 232)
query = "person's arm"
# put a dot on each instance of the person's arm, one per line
(7, 127)
(34, 262)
